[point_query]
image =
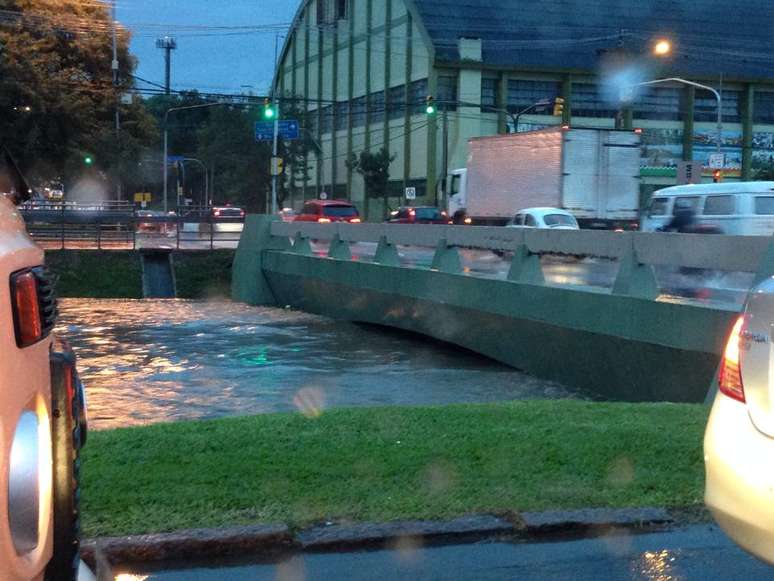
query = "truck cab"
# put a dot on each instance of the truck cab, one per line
(42, 410)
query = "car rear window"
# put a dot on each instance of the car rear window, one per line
(659, 207)
(339, 211)
(764, 205)
(559, 220)
(719, 205)
(427, 214)
(230, 213)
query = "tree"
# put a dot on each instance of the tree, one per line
(227, 142)
(57, 98)
(375, 169)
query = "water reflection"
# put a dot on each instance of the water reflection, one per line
(152, 361)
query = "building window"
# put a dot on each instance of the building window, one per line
(488, 92)
(313, 121)
(396, 105)
(763, 109)
(330, 11)
(377, 107)
(522, 94)
(447, 92)
(418, 96)
(359, 112)
(661, 103)
(326, 123)
(706, 106)
(342, 115)
(587, 101)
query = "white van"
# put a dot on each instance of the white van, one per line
(734, 208)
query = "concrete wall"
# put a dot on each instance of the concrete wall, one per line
(617, 345)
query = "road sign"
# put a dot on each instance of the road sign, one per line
(689, 172)
(411, 193)
(323, 196)
(277, 166)
(289, 130)
(142, 197)
(717, 160)
(175, 158)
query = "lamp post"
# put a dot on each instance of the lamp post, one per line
(716, 93)
(165, 159)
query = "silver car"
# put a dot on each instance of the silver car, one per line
(739, 442)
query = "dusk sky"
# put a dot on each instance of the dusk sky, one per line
(208, 58)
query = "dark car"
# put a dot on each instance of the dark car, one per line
(418, 215)
(325, 211)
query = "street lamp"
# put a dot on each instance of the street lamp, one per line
(662, 47)
(165, 160)
(628, 92)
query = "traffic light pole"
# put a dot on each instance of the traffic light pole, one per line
(274, 151)
(445, 157)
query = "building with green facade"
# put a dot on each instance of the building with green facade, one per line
(363, 70)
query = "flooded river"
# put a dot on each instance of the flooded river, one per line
(154, 361)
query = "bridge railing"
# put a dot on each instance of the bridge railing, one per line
(715, 252)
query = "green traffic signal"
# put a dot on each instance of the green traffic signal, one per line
(88, 160)
(268, 110)
(430, 109)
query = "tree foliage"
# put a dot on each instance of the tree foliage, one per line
(57, 98)
(375, 169)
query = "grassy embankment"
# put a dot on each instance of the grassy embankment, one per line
(118, 274)
(381, 464)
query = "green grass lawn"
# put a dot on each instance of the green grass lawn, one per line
(378, 464)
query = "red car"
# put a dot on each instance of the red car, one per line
(418, 215)
(326, 211)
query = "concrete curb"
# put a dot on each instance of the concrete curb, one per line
(201, 544)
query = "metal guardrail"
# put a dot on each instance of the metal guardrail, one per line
(707, 251)
(120, 226)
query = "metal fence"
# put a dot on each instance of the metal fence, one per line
(122, 226)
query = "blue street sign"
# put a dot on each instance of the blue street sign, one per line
(175, 158)
(288, 130)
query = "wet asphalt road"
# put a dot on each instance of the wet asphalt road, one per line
(700, 553)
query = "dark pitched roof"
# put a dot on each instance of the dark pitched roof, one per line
(711, 36)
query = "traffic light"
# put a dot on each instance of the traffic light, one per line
(430, 108)
(88, 160)
(269, 112)
(558, 107)
(717, 176)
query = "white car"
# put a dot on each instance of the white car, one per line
(550, 218)
(739, 441)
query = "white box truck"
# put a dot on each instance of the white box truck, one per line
(593, 173)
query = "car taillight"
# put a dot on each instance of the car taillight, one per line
(355, 221)
(217, 212)
(34, 305)
(730, 379)
(324, 220)
(26, 309)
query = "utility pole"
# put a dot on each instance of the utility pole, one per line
(168, 44)
(114, 68)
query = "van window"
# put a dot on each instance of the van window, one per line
(719, 206)
(764, 205)
(685, 203)
(658, 207)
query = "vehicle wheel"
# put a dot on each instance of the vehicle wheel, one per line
(66, 435)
